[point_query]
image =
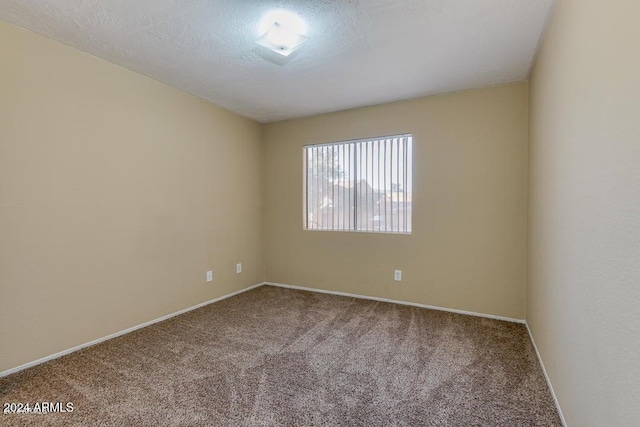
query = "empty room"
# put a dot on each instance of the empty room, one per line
(335, 212)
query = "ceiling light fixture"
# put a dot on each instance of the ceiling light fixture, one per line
(284, 32)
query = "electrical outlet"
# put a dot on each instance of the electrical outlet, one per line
(397, 275)
(239, 268)
(209, 276)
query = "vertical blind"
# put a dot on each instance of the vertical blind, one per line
(362, 185)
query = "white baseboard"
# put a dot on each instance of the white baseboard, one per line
(413, 304)
(431, 307)
(126, 331)
(282, 285)
(546, 376)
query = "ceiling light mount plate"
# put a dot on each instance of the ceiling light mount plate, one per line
(282, 39)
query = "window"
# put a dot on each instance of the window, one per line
(362, 185)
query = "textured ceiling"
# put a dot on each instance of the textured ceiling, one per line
(361, 52)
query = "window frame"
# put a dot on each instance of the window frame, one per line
(408, 179)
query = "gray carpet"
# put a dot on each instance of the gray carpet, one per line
(275, 356)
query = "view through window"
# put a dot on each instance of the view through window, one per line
(362, 185)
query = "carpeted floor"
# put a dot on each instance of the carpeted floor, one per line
(275, 356)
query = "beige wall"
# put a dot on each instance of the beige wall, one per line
(467, 250)
(583, 293)
(117, 193)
